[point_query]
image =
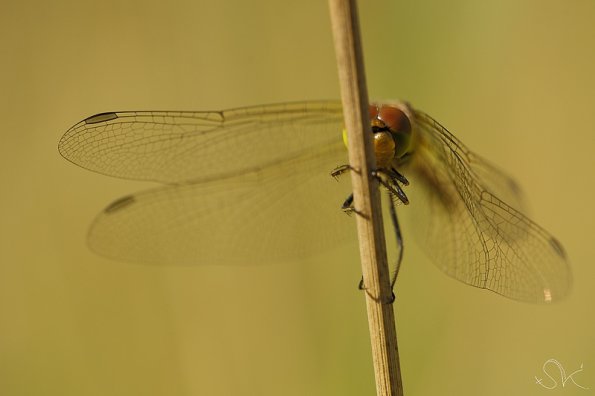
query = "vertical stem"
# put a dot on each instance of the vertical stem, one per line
(345, 26)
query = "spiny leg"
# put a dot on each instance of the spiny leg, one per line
(397, 175)
(348, 204)
(399, 237)
(393, 187)
(339, 170)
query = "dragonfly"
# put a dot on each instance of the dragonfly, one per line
(251, 185)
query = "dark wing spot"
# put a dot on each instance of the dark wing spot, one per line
(120, 204)
(514, 186)
(101, 117)
(558, 247)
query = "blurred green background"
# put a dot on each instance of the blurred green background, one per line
(513, 79)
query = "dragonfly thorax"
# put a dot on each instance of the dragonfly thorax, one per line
(384, 148)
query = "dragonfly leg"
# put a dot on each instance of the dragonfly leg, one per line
(399, 238)
(393, 187)
(338, 171)
(348, 204)
(348, 207)
(397, 175)
(394, 190)
(361, 285)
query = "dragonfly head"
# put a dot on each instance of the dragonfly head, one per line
(391, 126)
(392, 132)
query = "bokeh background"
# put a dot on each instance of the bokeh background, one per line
(515, 80)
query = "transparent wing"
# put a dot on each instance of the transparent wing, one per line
(247, 186)
(279, 213)
(495, 180)
(469, 232)
(176, 147)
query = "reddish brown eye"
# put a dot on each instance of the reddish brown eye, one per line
(395, 119)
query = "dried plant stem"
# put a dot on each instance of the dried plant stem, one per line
(375, 270)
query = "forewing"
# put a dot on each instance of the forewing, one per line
(176, 147)
(469, 232)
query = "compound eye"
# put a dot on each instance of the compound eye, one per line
(399, 124)
(395, 119)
